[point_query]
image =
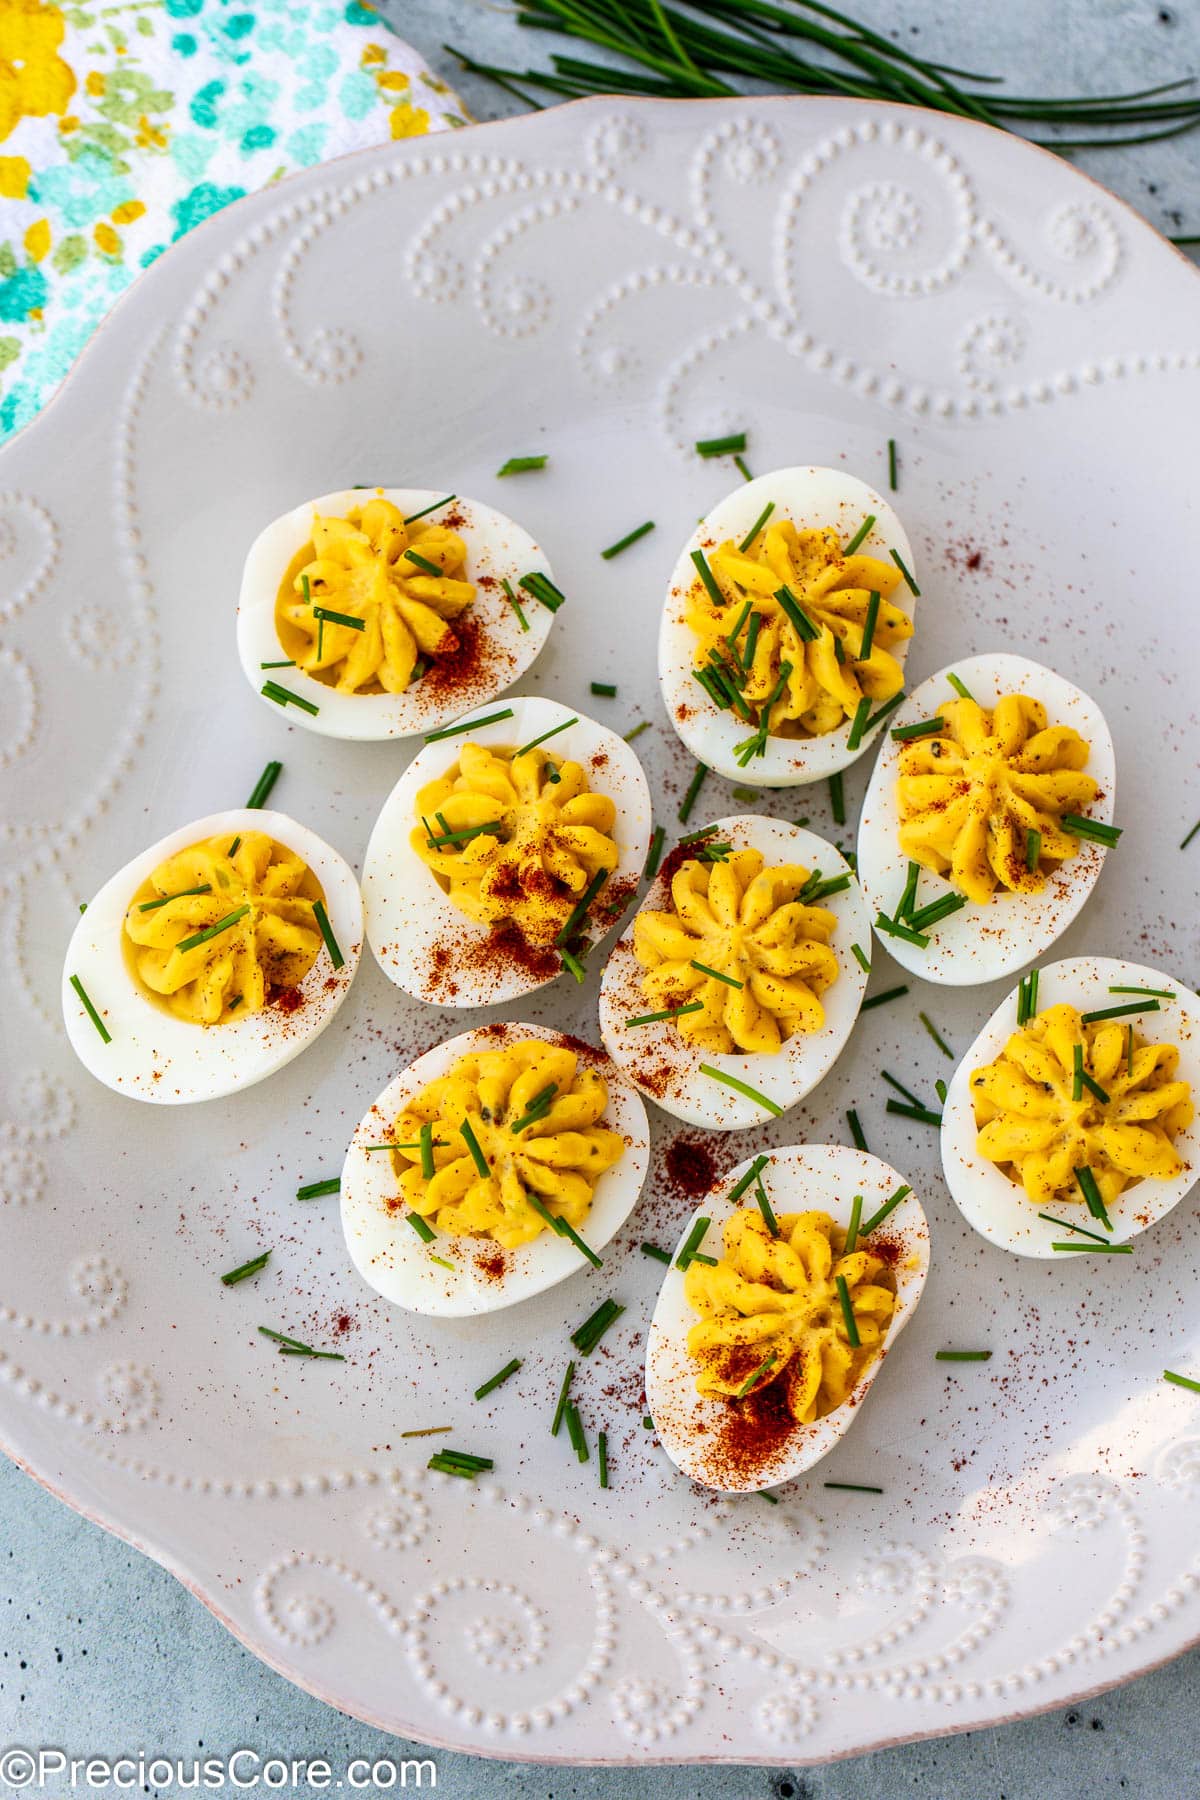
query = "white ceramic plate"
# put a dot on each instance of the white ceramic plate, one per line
(628, 278)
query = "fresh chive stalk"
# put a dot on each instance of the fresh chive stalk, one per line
(449, 731)
(245, 1270)
(631, 537)
(843, 1293)
(595, 1325)
(316, 1190)
(888, 994)
(520, 465)
(742, 1087)
(263, 786)
(856, 1130)
(721, 446)
(498, 1380)
(859, 536)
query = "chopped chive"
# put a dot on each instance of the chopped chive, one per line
(662, 1256)
(1191, 834)
(904, 734)
(1093, 1087)
(1033, 849)
(714, 853)
(306, 590)
(756, 745)
(647, 1423)
(316, 1190)
(706, 575)
(235, 1003)
(466, 1460)
(637, 730)
(1090, 1190)
(670, 1012)
(716, 975)
(856, 1207)
(460, 837)
(495, 1381)
(869, 623)
(472, 1143)
(858, 723)
(1150, 993)
(543, 589)
(1183, 1381)
(351, 620)
(860, 534)
(731, 637)
(287, 663)
(900, 1088)
(751, 1176)
(607, 688)
(392, 1145)
(856, 1130)
(861, 958)
(886, 710)
(852, 1487)
(83, 906)
(427, 1431)
(595, 1325)
(836, 884)
(962, 1356)
(709, 681)
(1120, 1012)
(767, 1362)
(426, 1137)
(921, 1114)
(960, 687)
(511, 597)
(246, 1269)
(564, 1230)
(757, 526)
(1129, 1049)
(602, 1456)
(443, 1467)
(631, 537)
(421, 1226)
(536, 1110)
(766, 1209)
(1098, 1249)
(747, 795)
(941, 1090)
(887, 1207)
(331, 943)
(847, 1311)
(579, 912)
(1094, 829)
(742, 1087)
(909, 897)
(752, 631)
(1069, 1225)
(739, 464)
(693, 789)
(896, 993)
(211, 931)
(936, 911)
(233, 848)
(936, 1035)
(285, 697)
(805, 630)
(892, 464)
(771, 1499)
(692, 1243)
(290, 1346)
(563, 1393)
(152, 905)
(433, 737)
(721, 446)
(837, 797)
(411, 518)
(263, 786)
(575, 1432)
(520, 465)
(553, 732)
(423, 562)
(913, 589)
(894, 928)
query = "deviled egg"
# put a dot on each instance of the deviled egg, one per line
(1070, 1123)
(385, 612)
(738, 981)
(786, 626)
(213, 958)
(987, 818)
(507, 849)
(500, 1163)
(785, 1293)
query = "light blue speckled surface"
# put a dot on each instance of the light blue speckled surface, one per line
(102, 1652)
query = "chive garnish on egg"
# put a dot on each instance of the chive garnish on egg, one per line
(886, 710)
(579, 912)
(767, 1362)
(888, 1206)
(851, 1323)
(211, 931)
(894, 928)
(858, 723)
(1070, 1225)
(205, 887)
(862, 532)
(564, 1230)
(1120, 1012)
(326, 930)
(350, 620)
(1094, 829)
(706, 575)
(285, 697)
(411, 518)
(511, 597)
(869, 623)
(936, 1035)
(286, 663)
(752, 1174)
(654, 853)
(703, 969)
(691, 1249)
(1150, 993)
(913, 589)
(447, 731)
(1090, 1190)
(960, 687)
(1098, 1249)
(1033, 849)
(553, 732)
(856, 1207)
(742, 1087)
(421, 1226)
(936, 911)
(765, 1207)
(803, 626)
(472, 1143)
(423, 563)
(861, 958)
(757, 526)
(542, 589)
(631, 537)
(904, 734)
(233, 848)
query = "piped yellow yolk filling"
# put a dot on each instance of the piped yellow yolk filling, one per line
(739, 946)
(770, 1311)
(1041, 1121)
(534, 1115)
(515, 839)
(221, 926)
(981, 799)
(399, 606)
(804, 679)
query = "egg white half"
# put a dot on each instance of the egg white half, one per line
(823, 1177)
(398, 1264)
(154, 1055)
(998, 1208)
(659, 1062)
(420, 938)
(497, 547)
(810, 498)
(983, 943)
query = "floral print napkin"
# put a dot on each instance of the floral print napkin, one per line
(123, 125)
